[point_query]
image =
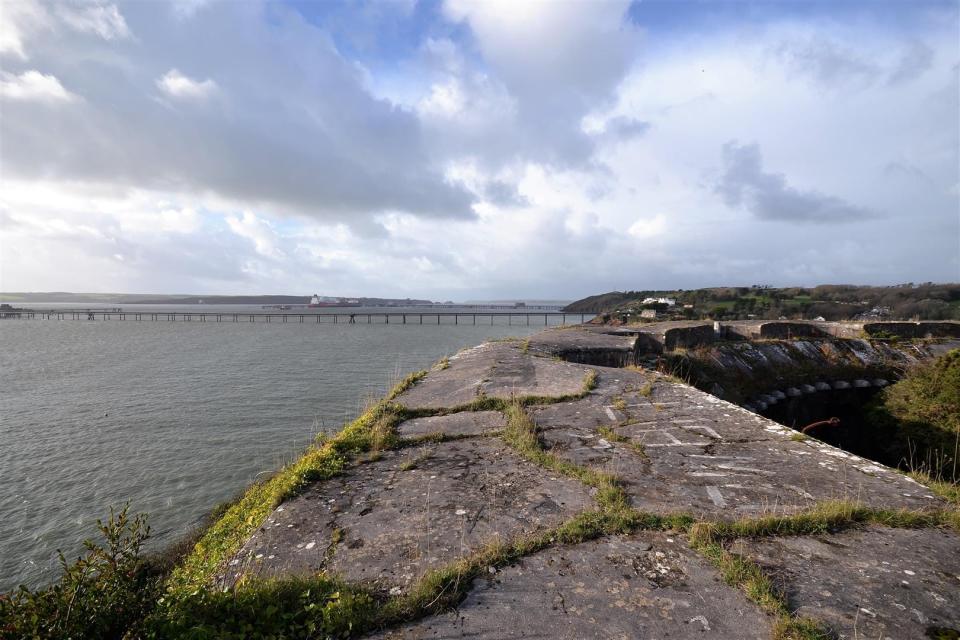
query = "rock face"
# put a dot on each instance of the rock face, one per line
(387, 521)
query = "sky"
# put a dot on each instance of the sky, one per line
(452, 149)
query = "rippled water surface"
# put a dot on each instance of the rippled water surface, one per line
(174, 416)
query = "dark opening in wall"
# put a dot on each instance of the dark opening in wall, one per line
(856, 433)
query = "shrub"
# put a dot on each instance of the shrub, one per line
(101, 595)
(922, 412)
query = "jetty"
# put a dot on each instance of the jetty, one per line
(333, 317)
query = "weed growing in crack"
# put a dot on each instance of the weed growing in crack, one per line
(609, 434)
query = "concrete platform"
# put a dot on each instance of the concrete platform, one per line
(715, 460)
(397, 524)
(466, 423)
(644, 586)
(497, 370)
(591, 345)
(875, 583)
(676, 449)
(459, 383)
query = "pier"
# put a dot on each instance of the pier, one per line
(334, 317)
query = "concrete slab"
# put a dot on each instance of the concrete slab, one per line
(715, 460)
(459, 383)
(644, 586)
(397, 524)
(465, 423)
(516, 373)
(500, 370)
(876, 583)
(586, 345)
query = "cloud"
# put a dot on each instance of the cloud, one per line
(827, 62)
(646, 228)
(19, 21)
(554, 62)
(347, 148)
(24, 20)
(33, 86)
(176, 85)
(294, 129)
(622, 129)
(504, 194)
(259, 232)
(769, 197)
(915, 59)
(98, 18)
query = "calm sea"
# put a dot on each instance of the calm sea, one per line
(176, 417)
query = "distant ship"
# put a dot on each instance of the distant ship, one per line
(318, 301)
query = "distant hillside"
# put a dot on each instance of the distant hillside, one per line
(926, 301)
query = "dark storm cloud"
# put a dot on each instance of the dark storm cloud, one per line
(768, 196)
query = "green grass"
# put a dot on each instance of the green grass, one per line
(949, 491)
(412, 463)
(825, 517)
(409, 381)
(609, 434)
(521, 435)
(373, 431)
(740, 572)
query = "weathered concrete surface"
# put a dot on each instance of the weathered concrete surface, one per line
(877, 583)
(397, 524)
(498, 370)
(466, 423)
(516, 373)
(710, 458)
(459, 383)
(676, 450)
(642, 586)
(603, 346)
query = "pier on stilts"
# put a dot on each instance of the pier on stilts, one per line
(332, 317)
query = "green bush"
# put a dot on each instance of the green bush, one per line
(315, 607)
(102, 595)
(922, 414)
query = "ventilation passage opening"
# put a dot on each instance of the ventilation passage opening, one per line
(853, 431)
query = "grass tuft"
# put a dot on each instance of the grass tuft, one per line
(609, 434)
(825, 517)
(742, 573)
(521, 435)
(949, 491)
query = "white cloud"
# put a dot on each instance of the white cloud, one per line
(176, 85)
(98, 18)
(645, 228)
(33, 86)
(258, 231)
(538, 137)
(18, 21)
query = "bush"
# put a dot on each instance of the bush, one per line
(101, 595)
(923, 411)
